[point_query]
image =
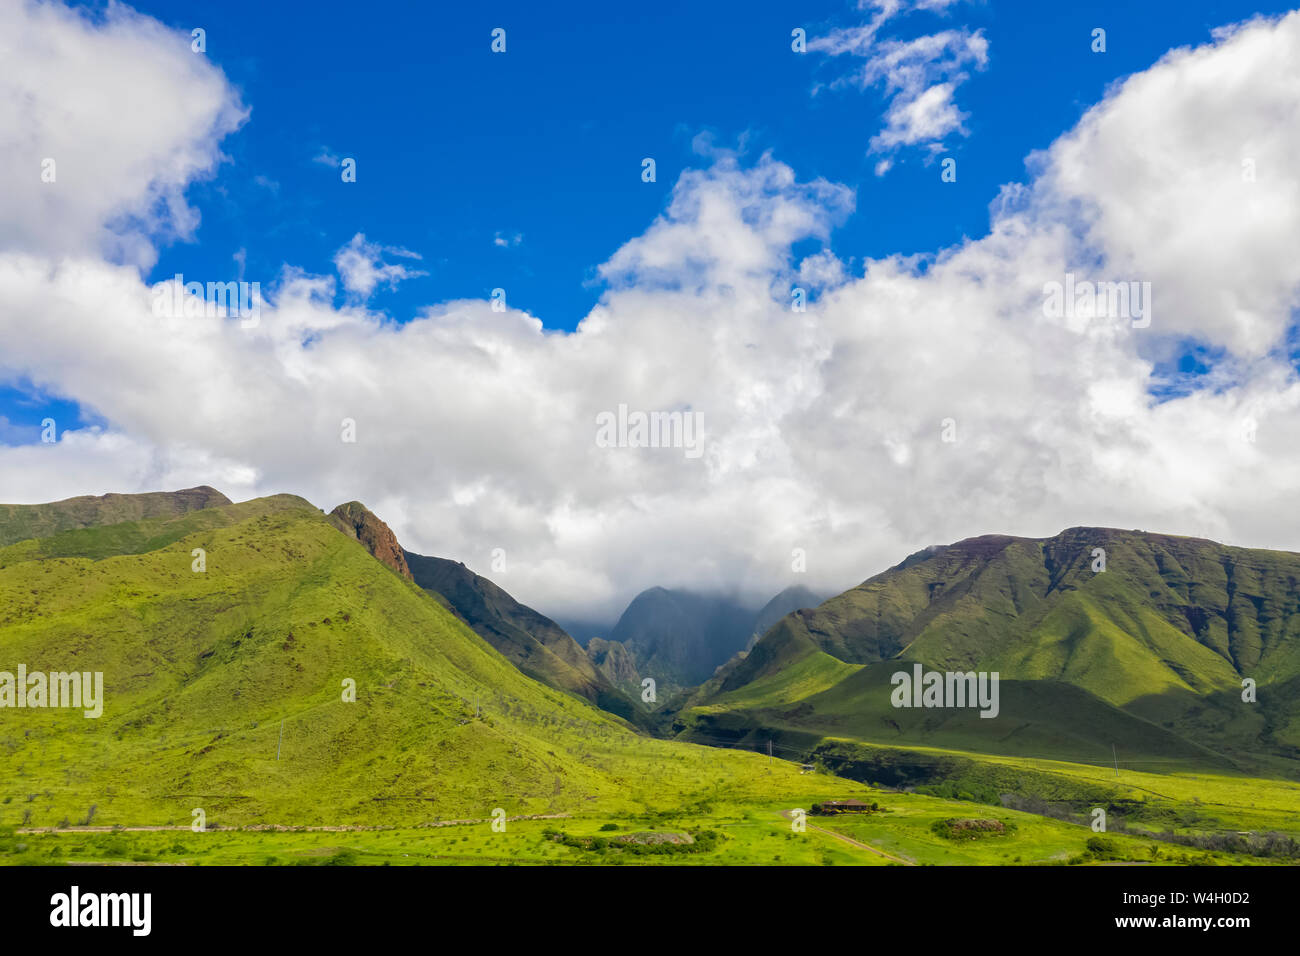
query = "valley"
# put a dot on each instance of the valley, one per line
(228, 734)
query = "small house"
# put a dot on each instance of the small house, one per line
(842, 806)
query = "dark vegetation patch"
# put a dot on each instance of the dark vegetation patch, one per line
(646, 843)
(972, 829)
(957, 778)
(836, 807)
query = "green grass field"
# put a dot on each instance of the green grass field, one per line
(747, 834)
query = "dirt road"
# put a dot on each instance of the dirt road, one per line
(281, 828)
(850, 841)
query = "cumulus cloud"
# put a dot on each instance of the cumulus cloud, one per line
(104, 121)
(1208, 218)
(824, 429)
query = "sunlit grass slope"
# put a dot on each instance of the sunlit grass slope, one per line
(1150, 652)
(202, 669)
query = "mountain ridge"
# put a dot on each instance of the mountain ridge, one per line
(1162, 627)
(288, 677)
(21, 522)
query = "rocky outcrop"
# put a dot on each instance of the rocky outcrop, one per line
(357, 521)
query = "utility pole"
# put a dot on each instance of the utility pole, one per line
(769, 755)
(1116, 757)
(281, 740)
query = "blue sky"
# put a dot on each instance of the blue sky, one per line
(541, 147)
(456, 144)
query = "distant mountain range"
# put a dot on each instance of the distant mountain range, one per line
(679, 638)
(792, 599)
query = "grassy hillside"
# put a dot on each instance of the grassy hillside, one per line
(531, 641)
(225, 691)
(141, 537)
(1146, 655)
(202, 669)
(18, 522)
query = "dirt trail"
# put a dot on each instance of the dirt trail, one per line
(850, 841)
(282, 828)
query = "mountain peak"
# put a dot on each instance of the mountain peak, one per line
(357, 521)
(793, 598)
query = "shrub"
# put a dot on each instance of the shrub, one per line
(1104, 848)
(959, 829)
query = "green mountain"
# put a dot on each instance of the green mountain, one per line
(261, 665)
(19, 522)
(614, 661)
(230, 640)
(531, 641)
(793, 598)
(357, 521)
(1144, 655)
(680, 638)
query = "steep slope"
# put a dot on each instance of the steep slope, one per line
(532, 641)
(613, 660)
(356, 520)
(680, 638)
(792, 599)
(19, 522)
(1197, 615)
(1161, 637)
(228, 689)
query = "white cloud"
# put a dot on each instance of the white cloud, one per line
(361, 266)
(920, 76)
(1164, 201)
(475, 428)
(128, 114)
